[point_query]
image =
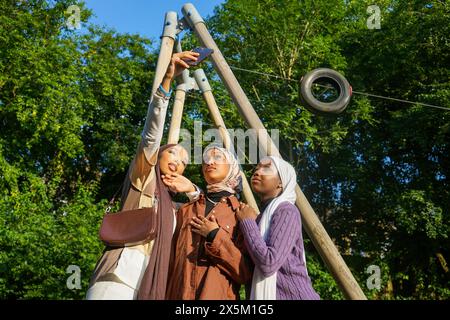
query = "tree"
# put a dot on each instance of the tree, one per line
(71, 107)
(377, 175)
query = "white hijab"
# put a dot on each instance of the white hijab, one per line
(265, 288)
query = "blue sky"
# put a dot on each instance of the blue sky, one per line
(145, 17)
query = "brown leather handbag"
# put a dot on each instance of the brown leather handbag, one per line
(129, 227)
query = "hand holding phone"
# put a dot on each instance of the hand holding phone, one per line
(204, 53)
(178, 64)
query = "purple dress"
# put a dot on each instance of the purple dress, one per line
(283, 252)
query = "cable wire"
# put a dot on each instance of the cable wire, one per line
(355, 92)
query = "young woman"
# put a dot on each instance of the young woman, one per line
(208, 259)
(274, 238)
(133, 272)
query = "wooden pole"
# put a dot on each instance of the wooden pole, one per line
(208, 96)
(321, 240)
(178, 105)
(177, 115)
(166, 48)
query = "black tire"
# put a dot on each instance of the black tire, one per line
(339, 83)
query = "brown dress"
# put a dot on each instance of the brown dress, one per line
(209, 271)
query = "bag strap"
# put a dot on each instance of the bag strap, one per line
(234, 202)
(113, 199)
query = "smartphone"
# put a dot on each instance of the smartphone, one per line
(204, 53)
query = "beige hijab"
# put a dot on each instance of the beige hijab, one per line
(233, 181)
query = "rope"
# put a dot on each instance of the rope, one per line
(355, 92)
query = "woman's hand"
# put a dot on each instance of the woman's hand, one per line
(177, 65)
(204, 226)
(245, 212)
(177, 183)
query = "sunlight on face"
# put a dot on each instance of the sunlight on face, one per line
(266, 167)
(265, 179)
(214, 156)
(215, 166)
(173, 160)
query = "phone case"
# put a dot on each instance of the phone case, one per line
(204, 53)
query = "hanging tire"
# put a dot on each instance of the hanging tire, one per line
(338, 83)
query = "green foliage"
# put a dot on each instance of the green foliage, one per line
(72, 105)
(377, 175)
(71, 108)
(40, 239)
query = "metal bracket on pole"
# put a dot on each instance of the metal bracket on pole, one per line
(170, 25)
(191, 15)
(188, 85)
(202, 81)
(182, 25)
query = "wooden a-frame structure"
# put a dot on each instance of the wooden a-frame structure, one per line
(311, 223)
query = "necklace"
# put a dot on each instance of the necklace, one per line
(213, 202)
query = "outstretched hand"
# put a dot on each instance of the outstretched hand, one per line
(177, 64)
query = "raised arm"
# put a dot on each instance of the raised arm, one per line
(156, 113)
(154, 124)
